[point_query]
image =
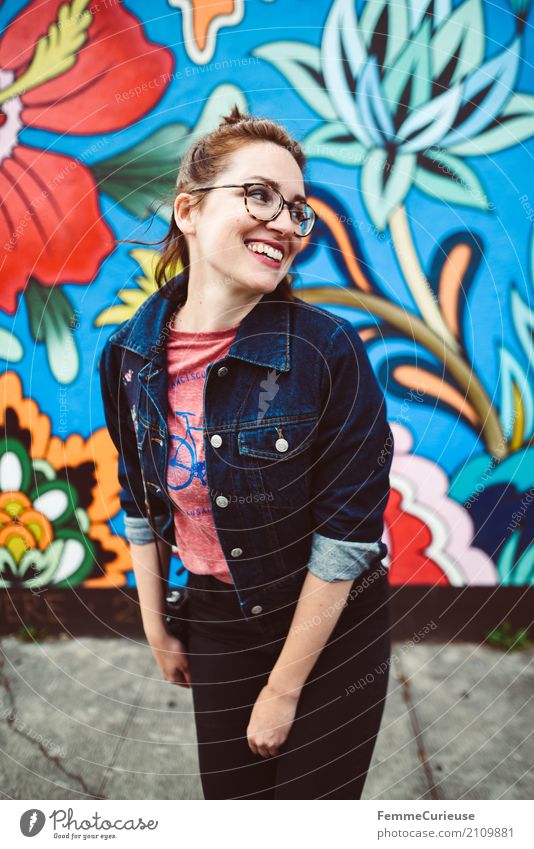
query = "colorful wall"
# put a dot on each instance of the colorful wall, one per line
(418, 120)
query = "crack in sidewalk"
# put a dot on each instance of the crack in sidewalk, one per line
(432, 785)
(11, 719)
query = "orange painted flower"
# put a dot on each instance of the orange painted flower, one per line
(55, 498)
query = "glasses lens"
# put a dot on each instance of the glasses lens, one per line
(303, 217)
(264, 202)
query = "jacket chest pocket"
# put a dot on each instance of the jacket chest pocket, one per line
(280, 452)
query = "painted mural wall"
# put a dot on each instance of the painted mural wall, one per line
(418, 121)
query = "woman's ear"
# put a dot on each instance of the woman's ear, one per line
(184, 213)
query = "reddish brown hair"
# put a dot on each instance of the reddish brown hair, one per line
(201, 165)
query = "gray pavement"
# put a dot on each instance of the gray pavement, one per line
(91, 718)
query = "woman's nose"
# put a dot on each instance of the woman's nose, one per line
(282, 222)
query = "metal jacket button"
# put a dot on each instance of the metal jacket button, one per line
(281, 444)
(221, 501)
(256, 609)
(222, 371)
(216, 440)
(236, 552)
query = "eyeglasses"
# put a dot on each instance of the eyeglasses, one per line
(264, 203)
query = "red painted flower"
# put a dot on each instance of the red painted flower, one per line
(69, 69)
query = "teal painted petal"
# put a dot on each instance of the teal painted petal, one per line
(343, 56)
(514, 125)
(512, 373)
(524, 570)
(331, 141)
(300, 65)
(407, 83)
(505, 564)
(385, 28)
(450, 180)
(523, 318)
(372, 106)
(417, 8)
(458, 45)
(10, 347)
(516, 468)
(384, 187)
(425, 126)
(484, 94)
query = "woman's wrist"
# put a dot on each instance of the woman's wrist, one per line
(155, 629)
(284, 685)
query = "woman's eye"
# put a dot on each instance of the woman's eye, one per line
(260, 194)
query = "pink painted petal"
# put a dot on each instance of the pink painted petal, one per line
(118, 76)
(50, 223)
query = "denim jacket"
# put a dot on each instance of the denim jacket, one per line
(297, 445)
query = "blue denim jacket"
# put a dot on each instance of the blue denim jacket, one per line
(297, 445)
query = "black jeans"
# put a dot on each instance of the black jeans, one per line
(330, 744)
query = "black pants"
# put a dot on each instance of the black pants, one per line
(330, 744)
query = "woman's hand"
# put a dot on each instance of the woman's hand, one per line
(171, 657)
(270, 721)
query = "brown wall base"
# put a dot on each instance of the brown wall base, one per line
(442, 613)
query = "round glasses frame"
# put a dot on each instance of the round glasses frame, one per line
(282, 202)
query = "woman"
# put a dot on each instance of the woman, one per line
(262, 436)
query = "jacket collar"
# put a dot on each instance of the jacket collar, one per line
(262, 336)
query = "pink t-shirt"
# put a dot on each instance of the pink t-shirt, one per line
(188, 355)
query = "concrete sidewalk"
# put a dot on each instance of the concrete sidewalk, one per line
(91, 718)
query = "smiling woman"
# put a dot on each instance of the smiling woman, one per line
(261, 437)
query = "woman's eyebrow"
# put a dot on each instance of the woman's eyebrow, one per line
(275, 184)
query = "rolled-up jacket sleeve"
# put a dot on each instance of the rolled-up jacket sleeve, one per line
(350, 476)
(120, 426)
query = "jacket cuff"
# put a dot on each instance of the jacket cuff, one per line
(337, 560)
(137, 529)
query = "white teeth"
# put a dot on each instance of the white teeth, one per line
(262, 248)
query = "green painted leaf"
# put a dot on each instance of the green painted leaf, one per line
(514, 125)
(143, 178)
(450, 180)
(333, 141)
(384, 187)
(300, 64)
(52, 321)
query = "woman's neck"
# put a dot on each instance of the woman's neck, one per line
(212, 308)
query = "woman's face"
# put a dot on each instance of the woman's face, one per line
(222, 227)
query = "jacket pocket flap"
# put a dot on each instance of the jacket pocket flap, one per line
(277, 439)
